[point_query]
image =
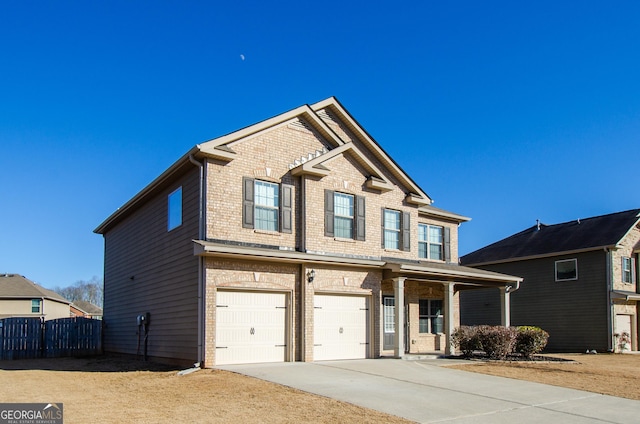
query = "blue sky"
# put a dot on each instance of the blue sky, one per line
(502, 111)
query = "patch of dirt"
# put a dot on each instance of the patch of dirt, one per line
(117, 390)
(609, 374)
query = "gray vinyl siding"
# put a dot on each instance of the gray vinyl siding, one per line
(574, 313)
(150, 269)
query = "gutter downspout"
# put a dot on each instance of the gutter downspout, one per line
(609, 302)
(201, 236)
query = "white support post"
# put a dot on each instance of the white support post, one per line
(505, 306)
(398, 344)
(449, 349)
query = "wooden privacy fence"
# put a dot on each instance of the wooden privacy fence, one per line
(22, 338)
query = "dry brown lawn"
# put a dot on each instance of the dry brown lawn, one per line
(114, 390)
(609, 374)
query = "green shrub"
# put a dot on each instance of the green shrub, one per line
(466, 338)
(530, 340)
(497, 341)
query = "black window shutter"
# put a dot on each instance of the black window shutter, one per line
(286, 199)
(247, 202)
(328, 213)
(447, 244)
(360, 219)
(406, 231)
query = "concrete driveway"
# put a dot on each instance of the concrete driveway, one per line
(424, 391)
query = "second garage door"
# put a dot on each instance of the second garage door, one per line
(250, 327)
(340, 327)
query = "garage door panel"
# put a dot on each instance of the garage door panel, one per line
(340, 327)
(250, 327)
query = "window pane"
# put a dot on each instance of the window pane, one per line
(424, 307)
(343, 227)
(422, 250)
(626, 270)
(435, 251)
(389, 315)
(422, 232)
(566, 270)
(391, 239)
(424, 325)
(437, 325)
(266, 194)
(175, 209)
(266, 218)
(35, 306)
(436, 307)
(392, 220)
(435, 234)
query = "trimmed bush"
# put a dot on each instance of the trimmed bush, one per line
(497, 341)
(530, 340)
(466, 338)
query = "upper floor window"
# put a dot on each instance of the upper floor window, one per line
(396, 230)
(566, 269)
(628, 270)
(344, 215)
(175, 209)
(431, 319)
(36, 306)
(430, 242)
(266, 205)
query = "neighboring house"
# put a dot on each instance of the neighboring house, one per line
(81, 308)
(294, 239)
(21, 297)
(580, 281)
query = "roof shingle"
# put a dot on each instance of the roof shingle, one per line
(589, 233)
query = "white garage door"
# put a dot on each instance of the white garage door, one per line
(250, 327)
(340, 327)
(623, 325)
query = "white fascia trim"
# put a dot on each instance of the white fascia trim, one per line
(460, 273)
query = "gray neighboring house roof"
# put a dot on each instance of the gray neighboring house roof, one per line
(14, 286)
(542, 240)
(87, 307)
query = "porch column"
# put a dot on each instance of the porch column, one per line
(449, 349)
(398, 291)
(505, 306)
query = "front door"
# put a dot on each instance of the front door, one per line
(389, 323)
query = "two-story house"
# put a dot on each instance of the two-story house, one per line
(294, 239)
(22, 298)
(580, 281)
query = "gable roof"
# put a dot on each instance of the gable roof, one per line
(221, 149)
(14, 286)
(580, 235)
(87, 307)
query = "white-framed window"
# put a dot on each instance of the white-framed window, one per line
(266, 205)
(36, 306)
(431, 318)
(174, 208)
(343, 215)
(430, 242)
(391, 229)
(566, 269)
(628, 270)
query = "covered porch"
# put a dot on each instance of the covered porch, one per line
(421, 304)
